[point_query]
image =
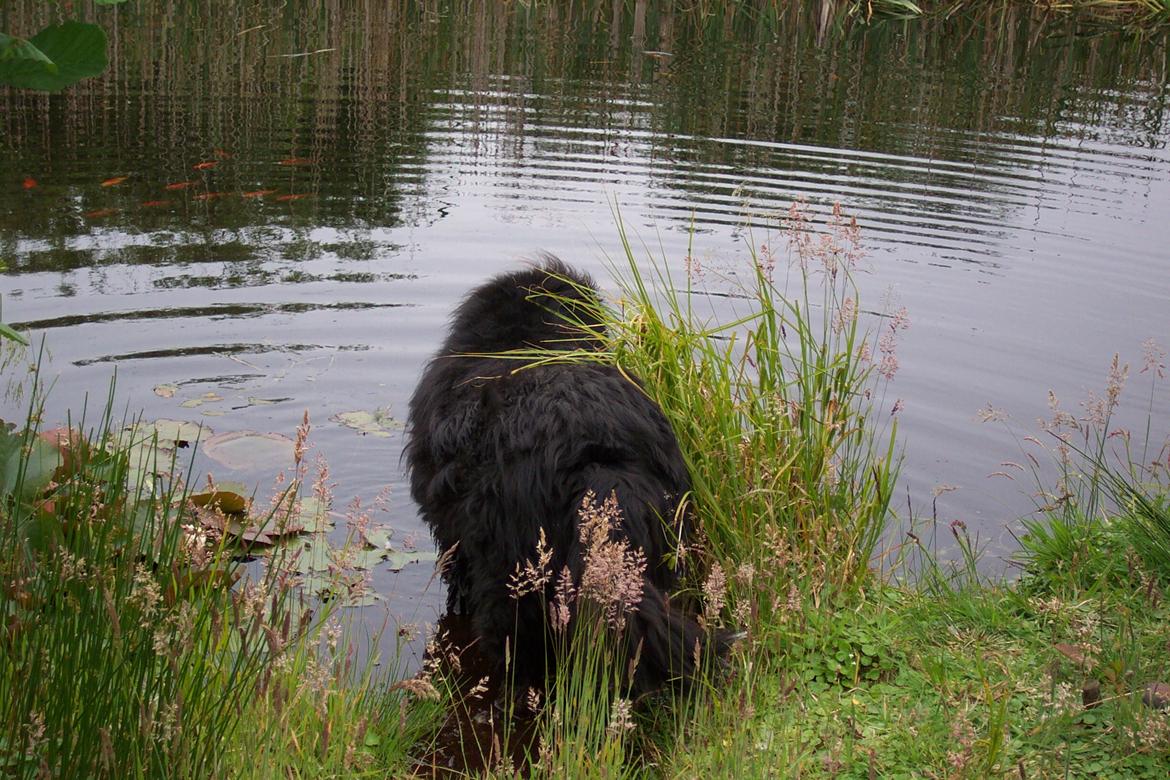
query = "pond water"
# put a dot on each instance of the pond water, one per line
(1010, 173)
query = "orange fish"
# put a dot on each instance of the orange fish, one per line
(220, 154)
(203, 166)
(208, 195)
(29, 182)
(256, 193)
(297, 161)
(97, 213)
(298, 196)
(178, 185)
(114, 181)
(154, 204)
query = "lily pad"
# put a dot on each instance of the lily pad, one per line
(247, 535)
(375, 423)
(248, 450)
(398, 559)
(366, 559)
(225, 497)
(166, 391)
(314, 555)
(318, 585)
(313, 516)
(368, 598)
(378, 537)
(257, 401)
(150, 449)
(328, 588)
(178, 432)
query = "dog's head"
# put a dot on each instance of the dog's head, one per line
(549, 306)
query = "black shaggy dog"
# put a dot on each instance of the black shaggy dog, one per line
(500, 449)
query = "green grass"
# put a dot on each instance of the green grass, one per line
(133, 647)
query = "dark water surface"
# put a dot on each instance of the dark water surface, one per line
(1011, 176)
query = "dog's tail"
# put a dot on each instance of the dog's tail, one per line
(668, 647)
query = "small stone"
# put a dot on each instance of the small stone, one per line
(1091, 694)
(1156, 695)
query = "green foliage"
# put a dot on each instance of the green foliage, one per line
(132, 646)
(1071, 553)
(58, 56)
(775, 408)
(842, 647)
(1146, 523)
(6, 331)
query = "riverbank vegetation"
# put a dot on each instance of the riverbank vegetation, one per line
(847, 670)
(134, 648)
(865, 654)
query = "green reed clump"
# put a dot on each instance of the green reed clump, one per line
(1109, 492)
(123, 654)
(775, 406)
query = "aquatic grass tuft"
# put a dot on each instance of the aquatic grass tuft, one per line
(775, 405)
(121, 656)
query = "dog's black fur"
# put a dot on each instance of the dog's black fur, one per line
(499, 449)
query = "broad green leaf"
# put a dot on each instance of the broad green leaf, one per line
(58, 56)
(10, 441)
(38, 463)
(13, 48)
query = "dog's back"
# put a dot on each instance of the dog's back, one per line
(501, 450)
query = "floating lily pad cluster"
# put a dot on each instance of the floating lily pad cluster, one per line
(151, 449)
(144, 457)
(299, 538)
